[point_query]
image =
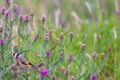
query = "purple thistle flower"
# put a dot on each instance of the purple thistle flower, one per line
(26, 18)
(7, 14)
(1, 41)
(117, 12)
(21, 18)
(62, 54)
(70, 58)
(43, 73)
(41, 64)
(46, 37)
(48, 53)
(3, 10)
(94, 77)
(43, 19)
(15, 74)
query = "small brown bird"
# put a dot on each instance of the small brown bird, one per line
(21, 62)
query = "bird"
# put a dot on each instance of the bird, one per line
(21, 62)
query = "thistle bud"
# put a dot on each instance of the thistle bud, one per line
(62, 70)
(102, 56)
(2, 41)
(15, 74)
(71, 36)
(61, 36)
(21, 18)
(54, 77)
(47, 52)
(15, 7)
(93, 77)
(83, 47)
(43, 19)
(3, 10)
(67, 72)
(41, 64)
(70, 58)
(7, 15)
(13, 67)
(62, 55)
(46, 37)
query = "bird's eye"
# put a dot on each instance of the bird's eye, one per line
(13, 54)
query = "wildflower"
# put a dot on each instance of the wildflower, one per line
(7, 15)
(54, 77)
(15, 74)
(26, 18)
(41, 64)
(102, 56)
(117, 12)
(47, 53)
(1, 41)
(15, 7)
(3, 10)
(93, 77)
(13, 67)
(43, 19)
(21, 18)
(61, 36)
(70, 58)
(62, 70)
(83, 47)
(46, 37)
(71, 35)
(43, 73)
(67, 72)
(62, 55)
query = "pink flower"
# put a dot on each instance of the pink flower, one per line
(43, 73)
